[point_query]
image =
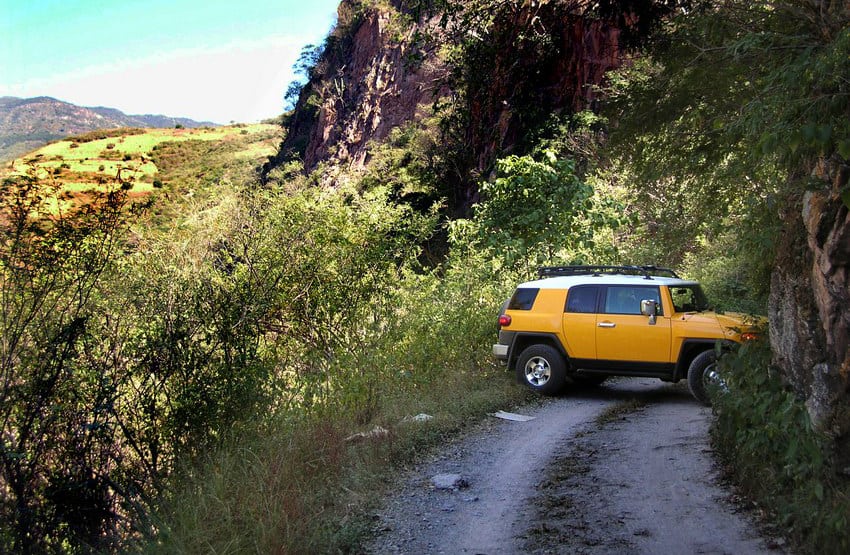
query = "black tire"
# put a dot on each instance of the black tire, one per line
(703, 377)
(543, 369)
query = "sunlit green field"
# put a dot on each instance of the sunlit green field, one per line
(81, 167)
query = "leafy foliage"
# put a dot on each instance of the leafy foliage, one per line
(778, 91)
(539, 212)
(52, 447)
(778, 101)
(98, 134)
(303, 67)
(531, 205)
(765, 435)
(732, 113)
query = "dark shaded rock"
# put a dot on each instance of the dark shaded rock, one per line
(810, 303)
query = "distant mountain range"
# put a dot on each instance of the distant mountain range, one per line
(28, 123)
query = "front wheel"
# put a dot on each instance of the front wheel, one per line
(543, 368)
(704, 379)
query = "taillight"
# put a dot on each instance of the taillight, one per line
(749, 336)
(504, 320)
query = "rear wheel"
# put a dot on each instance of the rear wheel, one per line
(543, 368)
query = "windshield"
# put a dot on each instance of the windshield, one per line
(688, 298)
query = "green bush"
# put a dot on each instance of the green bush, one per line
(365, 338)
(98, 134)
(765, 436)
(57, 446)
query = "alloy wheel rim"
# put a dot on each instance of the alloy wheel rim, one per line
(537, 371)
(712, 380)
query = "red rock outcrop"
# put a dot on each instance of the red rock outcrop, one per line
(578, 52)
(375, 78)
(385, 70)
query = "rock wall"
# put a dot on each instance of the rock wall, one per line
(377, 75)
(548, 60)
(810, 303)
(386, 69)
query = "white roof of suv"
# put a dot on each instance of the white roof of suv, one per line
(565, 282)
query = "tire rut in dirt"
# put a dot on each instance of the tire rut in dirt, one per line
(634, 484)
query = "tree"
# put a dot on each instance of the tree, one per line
(303, 68)
(52, 446)
(740, 111)
(529, 211)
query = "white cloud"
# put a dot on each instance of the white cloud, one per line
(242, 82)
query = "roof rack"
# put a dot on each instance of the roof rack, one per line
(646, 271)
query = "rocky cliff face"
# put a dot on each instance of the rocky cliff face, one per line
(809, 300)
(376, 73)
(386, 67)
(544, 60)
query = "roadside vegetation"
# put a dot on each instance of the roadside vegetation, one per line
(781, 465)
(193, 360)
(735, 158)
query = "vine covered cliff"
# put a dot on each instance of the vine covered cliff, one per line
(490, 72)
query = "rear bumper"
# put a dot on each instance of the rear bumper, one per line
(500, 351)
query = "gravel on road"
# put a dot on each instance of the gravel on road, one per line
(621, 468)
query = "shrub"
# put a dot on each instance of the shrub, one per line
(362, 337)
(98, 134)
(765, 435)
(56, 445)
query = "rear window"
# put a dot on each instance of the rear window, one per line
(523, 299)
(582, 299)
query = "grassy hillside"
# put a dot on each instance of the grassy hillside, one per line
(173, 161)
(29, 123)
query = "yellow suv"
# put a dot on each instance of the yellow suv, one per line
(585, 323)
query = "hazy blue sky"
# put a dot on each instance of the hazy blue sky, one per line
(214, 60)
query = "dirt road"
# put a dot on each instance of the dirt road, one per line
(623, 468)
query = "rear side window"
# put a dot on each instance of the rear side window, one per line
(582, 299)
(523, 299)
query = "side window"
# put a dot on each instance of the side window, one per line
(582, 299)
(689, 298)
(523, 299)
(625, 299)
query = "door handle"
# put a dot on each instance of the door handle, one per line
(606, 325)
